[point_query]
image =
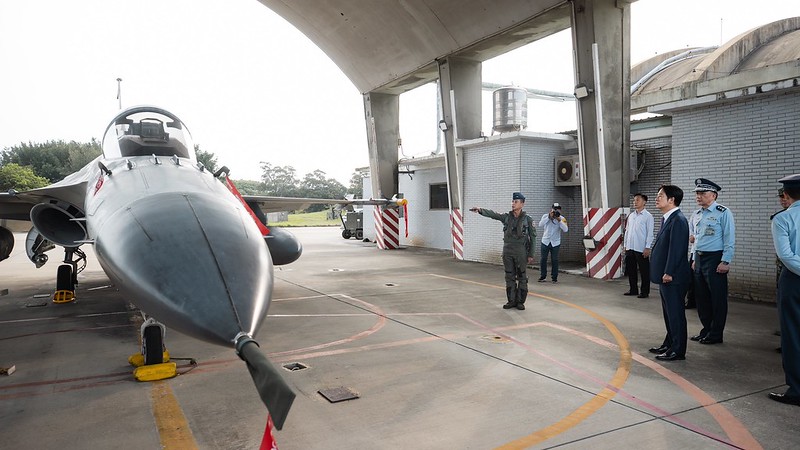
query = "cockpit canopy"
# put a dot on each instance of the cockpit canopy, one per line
(147, 130)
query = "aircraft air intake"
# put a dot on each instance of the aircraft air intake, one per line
(58, 224)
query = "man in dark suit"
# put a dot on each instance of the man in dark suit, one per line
(669, 268)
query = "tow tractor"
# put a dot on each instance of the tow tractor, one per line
(353, 223)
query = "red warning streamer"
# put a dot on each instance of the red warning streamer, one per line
(263, 228)
(268, 442)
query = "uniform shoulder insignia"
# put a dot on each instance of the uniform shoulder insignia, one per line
(721, 208)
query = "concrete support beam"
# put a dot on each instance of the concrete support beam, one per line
(604, 119)
(382, 117)
(460, 89)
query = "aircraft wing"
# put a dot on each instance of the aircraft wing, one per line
(72, 189)
(275, 204)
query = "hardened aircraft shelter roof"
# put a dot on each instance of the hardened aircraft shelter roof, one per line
(767, 55)
(392, 47)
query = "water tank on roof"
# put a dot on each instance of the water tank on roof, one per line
(510, 109)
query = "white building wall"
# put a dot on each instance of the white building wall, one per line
(426, 227)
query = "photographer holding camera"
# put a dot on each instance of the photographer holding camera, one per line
(553, 224)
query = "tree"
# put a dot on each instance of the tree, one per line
(19, 178)
(280, 181)
(53, 160)
(208, 159)
(356, 184)
(250, 187)
(316, 185)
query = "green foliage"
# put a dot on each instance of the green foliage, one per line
(316, 185)
(53, 160)
(19, 178)
(356, 185)
(208, 159)
(250, 187)
(280, 181)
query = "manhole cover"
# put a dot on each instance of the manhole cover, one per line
(295, 366)
(338, 394)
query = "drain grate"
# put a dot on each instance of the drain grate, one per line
(295, 366)
(338, 394)
(390, 284)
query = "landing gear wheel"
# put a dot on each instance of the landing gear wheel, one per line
(64, 278)
(346, 234)
(359, 234)
(153, 345)
(65, 285)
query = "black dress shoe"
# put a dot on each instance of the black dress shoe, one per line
(779, 349)
(670, 356)
(659, 350)
(541, 280)
(643, 296)
(709, 341)
(782, 398)
(521, 306)
(699, 337)
(630, 293)
(510, 305)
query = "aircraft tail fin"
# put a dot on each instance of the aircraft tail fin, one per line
(274, 392)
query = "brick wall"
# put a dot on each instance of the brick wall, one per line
(744, 146)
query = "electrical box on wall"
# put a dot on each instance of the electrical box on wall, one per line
(568, 170)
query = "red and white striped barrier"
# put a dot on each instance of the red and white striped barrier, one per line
(387, 228)
(605, 226)
(457, 230)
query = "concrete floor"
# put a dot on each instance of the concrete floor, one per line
(423, 342)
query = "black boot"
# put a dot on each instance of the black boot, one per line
(511, 294)
(522, 294)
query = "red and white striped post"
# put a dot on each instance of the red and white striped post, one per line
(605, 226)
(457, 230)
(387, 227)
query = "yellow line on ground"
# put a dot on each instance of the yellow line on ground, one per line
(593, 405)
(173, 429)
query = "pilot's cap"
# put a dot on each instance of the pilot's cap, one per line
(518, 196)
(705, 185)
(556, 206)
(792, 181)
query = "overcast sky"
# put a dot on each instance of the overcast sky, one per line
(252, 88)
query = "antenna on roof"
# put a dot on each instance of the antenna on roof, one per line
(119, 92)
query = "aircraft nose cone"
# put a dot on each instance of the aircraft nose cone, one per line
(195, 262)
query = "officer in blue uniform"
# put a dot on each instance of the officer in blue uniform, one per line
(519, 234)
(786, 237)
(714, 239)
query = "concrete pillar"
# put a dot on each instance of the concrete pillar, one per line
(382, 116)
(604, 127)
(601, 45)
(460, 90)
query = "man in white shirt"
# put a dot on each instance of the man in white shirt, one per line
(553, 224)
(638, 241)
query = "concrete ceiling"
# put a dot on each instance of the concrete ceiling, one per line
(391, 46)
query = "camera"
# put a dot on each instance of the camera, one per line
(556, 213)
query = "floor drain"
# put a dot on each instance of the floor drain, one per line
(336, 270)
(390, 284)
(293, 367)
(338, 394)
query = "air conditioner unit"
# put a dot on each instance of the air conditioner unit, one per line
(568, 170)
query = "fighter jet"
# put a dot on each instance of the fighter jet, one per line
(179, 241)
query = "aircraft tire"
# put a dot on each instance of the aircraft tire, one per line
(153, 345)
(64, 281)
(346, 234)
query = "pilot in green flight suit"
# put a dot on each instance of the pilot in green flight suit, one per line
(519, 234)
